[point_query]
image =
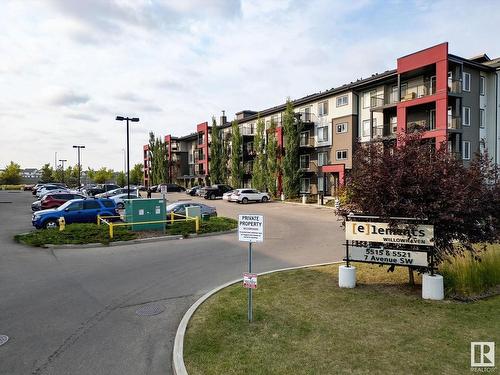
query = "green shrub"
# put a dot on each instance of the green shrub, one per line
(11, 187)
(75, 234)
(215, 224)
(466, 276)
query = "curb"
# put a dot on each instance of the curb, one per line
(177, 356)
(136, 241)
(312, 205)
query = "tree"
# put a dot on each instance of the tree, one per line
(272, 166)
(11, 175)
(102, 175)
(416, 180)
(216, 158)
(121, 179)
(136, 174)
(158, 154)
(259, 175)
(47, 173)
(291, 161)
(236, 156)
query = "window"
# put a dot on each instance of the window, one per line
(482, 85)
(394, 124)
(342, 128)
(305, 184)
(320, 183)
(466, 116)
(341, 155)
(108, 204)
(404, 89)
(432, 119)
(77, 206)
(91, 205)
(304, 161)
(365, 131)
(322, 158)
(304, 138)
(482, 120)
(323, 134)
(366, 99)
(466, 150)
(342, 100)
(466, 81)
(323, 108)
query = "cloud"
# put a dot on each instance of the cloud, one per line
(82, 117)
(151, 108)
(129, 97)
(66, 98)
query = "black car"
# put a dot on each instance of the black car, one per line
(215, 191)
(170, 188)
(99, 189)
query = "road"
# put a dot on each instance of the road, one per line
(73, 311)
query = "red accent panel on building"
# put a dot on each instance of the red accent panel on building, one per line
(425, 57)
(336, 168)
(203, 128)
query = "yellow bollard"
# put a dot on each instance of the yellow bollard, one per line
(62, 223)
(171, 217)
(110, 230)
(98, 220)
(197, 223)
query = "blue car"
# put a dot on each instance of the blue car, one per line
(75, 211)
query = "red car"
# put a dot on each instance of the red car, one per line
(57, 199)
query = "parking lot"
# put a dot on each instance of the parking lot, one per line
(73, 311)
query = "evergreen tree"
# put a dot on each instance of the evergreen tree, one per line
(47, 173)
(272, 160)
(259, 175)
(236, 151)
(291, 161)
(216, 158)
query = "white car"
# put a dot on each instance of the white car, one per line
(43, 191)
(247, 195)
(119, 199)
(227, 196)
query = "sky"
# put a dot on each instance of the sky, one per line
(69, 67)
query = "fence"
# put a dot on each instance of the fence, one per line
(107, 221)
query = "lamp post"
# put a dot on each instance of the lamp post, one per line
(62, 164)
(132, 119)
(79, 165)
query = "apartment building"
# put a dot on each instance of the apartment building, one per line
(454, 100)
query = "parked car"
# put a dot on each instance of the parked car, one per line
(99, 189)
(227, 196)
(247, 195)
(110, 193)
(192, 191)
(180, 208)
(119, 199)
(38, 187)
(74, 211)
(28, 187)
(215, 191)
(170, 188)
(54, 200)
(45, 189)
(36, 205)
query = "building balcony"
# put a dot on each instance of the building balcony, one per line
(384, 130)
(377, 101)
(411, 92)
(306, 142)
(419, 125)
(310, 166)
(454, 86)
(454, 122)
(248, 130)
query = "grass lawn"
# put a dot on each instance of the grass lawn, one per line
(305, 324)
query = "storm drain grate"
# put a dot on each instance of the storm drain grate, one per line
(3, 339)
(150, 310)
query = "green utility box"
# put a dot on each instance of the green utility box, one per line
(145, 210)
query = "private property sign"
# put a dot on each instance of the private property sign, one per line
(388, 256)
(250, 280)
(251, 228)
(422, 235)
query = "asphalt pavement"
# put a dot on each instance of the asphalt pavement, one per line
(73, 311)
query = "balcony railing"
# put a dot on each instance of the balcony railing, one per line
(307, 142)
(417, 91)
(380, 101)
(454, 122)
(310, 166)
(385, 130)
(248, 130)
(454, 86)
(418, 125)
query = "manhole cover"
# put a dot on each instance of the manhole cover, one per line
(150, 310)
(3, 339)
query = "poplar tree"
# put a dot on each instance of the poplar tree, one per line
(272, 160)
(236, 154)
(216, 158)
(159, 160)
(259, 178)
(291, 161)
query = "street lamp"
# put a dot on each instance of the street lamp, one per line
(79, 166)
(133, 119)
(62, 163)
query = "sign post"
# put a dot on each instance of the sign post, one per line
(250, 229)
(163, 190)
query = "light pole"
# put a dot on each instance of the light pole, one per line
(62, 163)
(133, 119)
(79, 165)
